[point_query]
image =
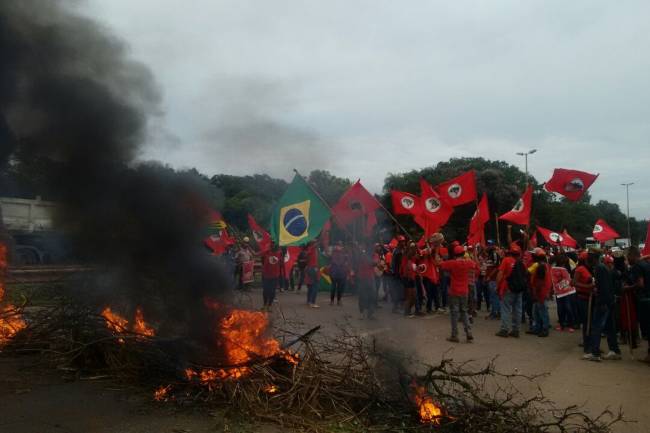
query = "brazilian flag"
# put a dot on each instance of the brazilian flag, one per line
(299, 216)
(325, 281)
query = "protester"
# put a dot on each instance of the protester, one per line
(492, 269)
(365, 277)
(311, 273)
(603, 308)
(397, 282)
(565, 293)
(379, 269)
(431, 276)
(511, 283)
(540, 287)
(272, 272)
(301, 265)
(459, 270)
(640, 286)
(339, 270)
(245, 266)
(583, 281)
(409, 275)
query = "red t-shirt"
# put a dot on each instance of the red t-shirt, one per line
(271, 264)
(312, 256)
(459, 273)
(506, 266)
(408, 270)
(583, 276)
(541, 287)
(427, 266)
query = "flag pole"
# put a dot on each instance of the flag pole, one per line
(496, 220)
(394, 219)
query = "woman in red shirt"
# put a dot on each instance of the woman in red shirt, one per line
(583, 281)
(459, 269)
(272, 269)
(540, 284)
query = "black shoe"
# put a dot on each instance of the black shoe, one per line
(453, 339)
(543, 334)
(470, 338)
(514, 334)
(502, 333)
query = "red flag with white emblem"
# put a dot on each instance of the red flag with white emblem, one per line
(520, 213)
(436, 209)
(261, 236)
(550, 236)
(570, 183)
(355, 203)
(405, 203)
(459, 190)
(603, 232)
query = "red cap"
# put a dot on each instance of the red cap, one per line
(583, 256)
(401, 238)
(609, 259)
(539, 252)
(458, 250)
(455, 244)
(514, 248)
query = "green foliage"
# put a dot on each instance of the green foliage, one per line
(330, 187)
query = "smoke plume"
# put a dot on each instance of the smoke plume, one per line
(71, 99)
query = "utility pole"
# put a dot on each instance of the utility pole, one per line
(627, 196)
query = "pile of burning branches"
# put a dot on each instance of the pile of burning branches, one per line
(300, 380)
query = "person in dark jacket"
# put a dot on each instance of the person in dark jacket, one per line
(603, 308)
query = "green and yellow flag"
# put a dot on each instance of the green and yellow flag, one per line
(299, 216)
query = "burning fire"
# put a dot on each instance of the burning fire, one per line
(120, 324)
(429, 411)
(243, 336)
(11, 322)
(161, 393)
(271, 389)
(140, 326)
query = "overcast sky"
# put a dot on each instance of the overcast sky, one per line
(363, 88)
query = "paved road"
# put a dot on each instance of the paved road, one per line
(571, 380)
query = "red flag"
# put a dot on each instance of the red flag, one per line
(603, 232)
(533, 240)
(568, 240)
(261, 236)
(476, 238)
(520, 213)
(553, 238)
(436, 209)
(371, 222)
(646, 248)
(570, 183)
(459, 190)
(428, 225)
(481, 216)
(405, 203)
(356, 202)
(290, 257)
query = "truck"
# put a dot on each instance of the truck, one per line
(29, 224)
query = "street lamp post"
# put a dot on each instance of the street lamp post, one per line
(525, 155)
(627, 197)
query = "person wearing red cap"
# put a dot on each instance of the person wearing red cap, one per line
(583, 281)
(458, 269)
(540, 284)
(512, 282)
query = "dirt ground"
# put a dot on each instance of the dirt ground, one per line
(37, 401)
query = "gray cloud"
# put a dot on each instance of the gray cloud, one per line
(367, 87)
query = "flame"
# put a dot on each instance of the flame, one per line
(243, 337)
(140, 326)
(11, 321)
(429, 411)
(161, 393)
(271, 389)
(120, 324)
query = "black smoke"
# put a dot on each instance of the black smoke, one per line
(76, 107)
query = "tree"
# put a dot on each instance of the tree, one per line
(330, 187)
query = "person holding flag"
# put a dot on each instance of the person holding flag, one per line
(459, 269)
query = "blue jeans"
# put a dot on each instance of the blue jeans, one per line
(583, 313)
(540, 317)
(495, 307)
(511, 311)
(603, 320)
(565, 310)
(458, 307)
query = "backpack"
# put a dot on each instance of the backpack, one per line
(517, 278)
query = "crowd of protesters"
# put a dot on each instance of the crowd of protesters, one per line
(597, 293)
